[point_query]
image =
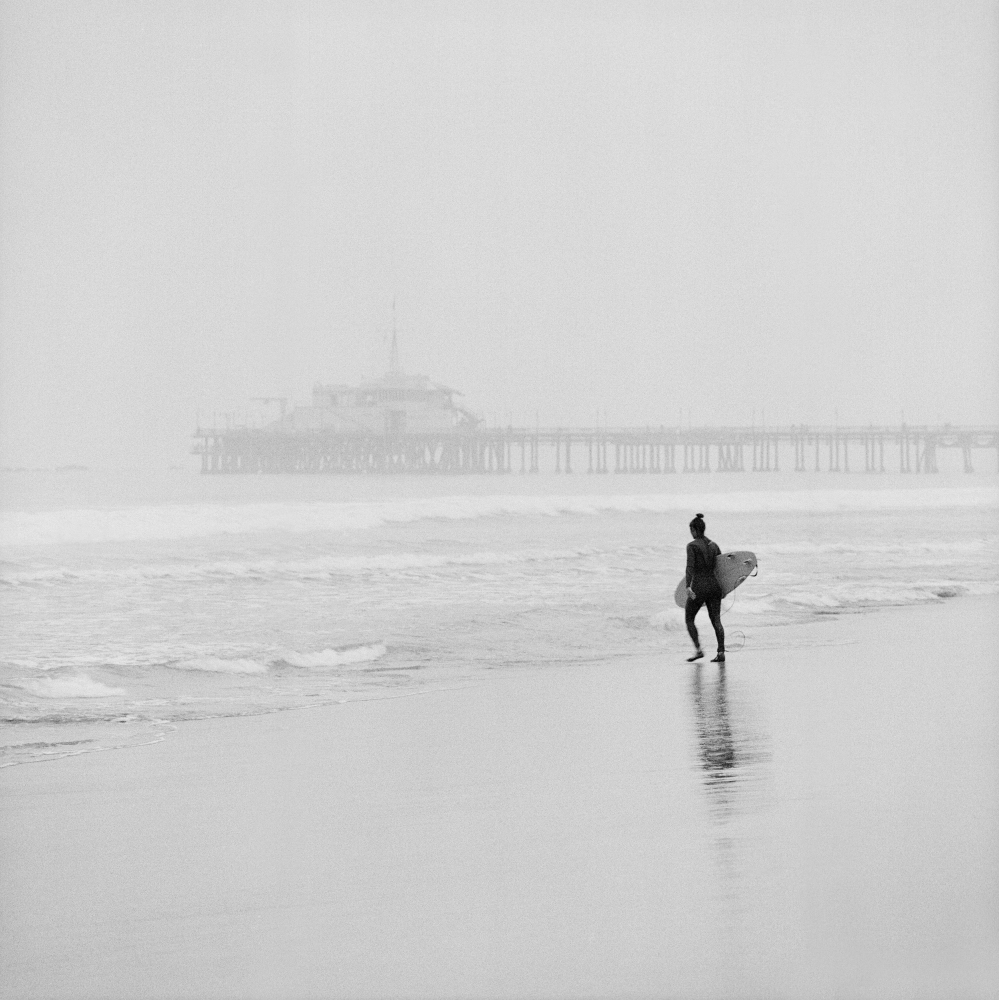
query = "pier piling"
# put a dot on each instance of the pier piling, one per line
(908, 449)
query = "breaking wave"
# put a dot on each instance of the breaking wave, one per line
(174, 521)
(323, 658)
(71, 683)
(857, 595)
(220, 665)
(322, 567)
(336, 657)
(75, 686)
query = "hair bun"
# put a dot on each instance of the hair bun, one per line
(700, 515)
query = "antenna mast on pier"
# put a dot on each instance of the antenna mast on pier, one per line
(394, 357)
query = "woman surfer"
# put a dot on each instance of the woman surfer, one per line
(703, 588)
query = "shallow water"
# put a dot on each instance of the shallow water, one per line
(132, 602)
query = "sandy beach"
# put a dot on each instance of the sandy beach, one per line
(819, 819)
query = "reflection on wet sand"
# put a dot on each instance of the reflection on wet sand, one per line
(731, 753)
(723, 753)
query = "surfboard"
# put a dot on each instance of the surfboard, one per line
(731, 568)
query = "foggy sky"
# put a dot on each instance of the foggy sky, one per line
(582, 212)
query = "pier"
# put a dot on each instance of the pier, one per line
(475, 449)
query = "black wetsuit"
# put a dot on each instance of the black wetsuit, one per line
(701, 556)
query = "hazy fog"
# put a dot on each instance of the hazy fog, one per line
(580, 209)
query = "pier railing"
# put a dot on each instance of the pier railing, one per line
(595, 450)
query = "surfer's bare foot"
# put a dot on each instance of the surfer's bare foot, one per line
(720, 658)
(697, 656)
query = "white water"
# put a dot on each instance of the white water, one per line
(145, 600)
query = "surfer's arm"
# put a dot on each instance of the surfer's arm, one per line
(691, 565)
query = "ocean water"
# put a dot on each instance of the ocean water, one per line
(132, 602)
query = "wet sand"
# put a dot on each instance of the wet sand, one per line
(819, 819)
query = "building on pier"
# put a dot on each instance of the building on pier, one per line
(395, 404)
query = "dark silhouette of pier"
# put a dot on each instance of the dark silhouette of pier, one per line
(594, 450)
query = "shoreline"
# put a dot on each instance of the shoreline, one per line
(138, 730)
(814, 820)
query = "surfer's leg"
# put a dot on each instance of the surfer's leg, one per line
(714, 613)
(694, 604)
